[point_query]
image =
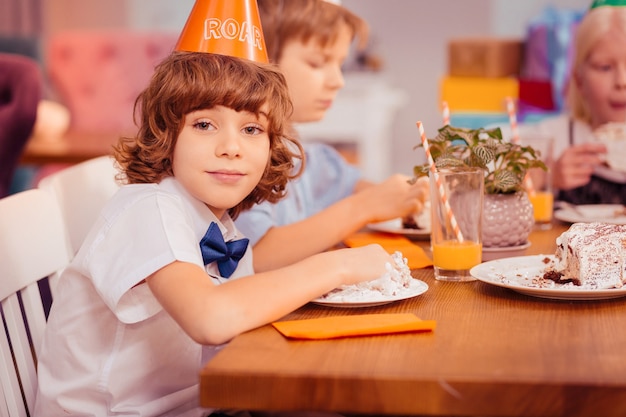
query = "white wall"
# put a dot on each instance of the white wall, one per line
(510, 17)
(411, 37)
(163, 14)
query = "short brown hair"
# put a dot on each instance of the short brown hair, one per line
(189, 81)
(284, 21)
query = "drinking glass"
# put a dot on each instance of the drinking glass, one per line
(456, 197)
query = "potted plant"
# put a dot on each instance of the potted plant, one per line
(508, 213)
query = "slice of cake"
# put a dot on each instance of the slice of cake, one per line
(420, 220)
(592, 255)
(394, 282)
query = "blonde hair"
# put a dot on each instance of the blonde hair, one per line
(188, 81)
(595, 24)
(284, 21)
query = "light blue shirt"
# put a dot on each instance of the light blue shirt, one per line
(327, 179)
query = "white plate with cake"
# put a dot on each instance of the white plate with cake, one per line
(586, 213)
(394, 285)
(395, 226)
(356, 298)
(525, 274)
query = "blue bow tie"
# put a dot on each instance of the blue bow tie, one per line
(226, 254)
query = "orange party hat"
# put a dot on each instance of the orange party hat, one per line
(225, 27)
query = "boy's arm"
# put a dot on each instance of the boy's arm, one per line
(214, 314)
(284, 245)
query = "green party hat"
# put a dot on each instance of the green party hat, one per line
(600, 3)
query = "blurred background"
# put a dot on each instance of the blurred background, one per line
(399, 79)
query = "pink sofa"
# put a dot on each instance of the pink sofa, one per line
(98, 74)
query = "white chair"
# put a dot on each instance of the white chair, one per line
(33, 246)
(82, 190)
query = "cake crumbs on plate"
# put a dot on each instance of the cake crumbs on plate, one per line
(394, 282)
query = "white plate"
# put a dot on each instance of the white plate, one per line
(416, 288)
(523, 274)
(395, 226)
(592, 213)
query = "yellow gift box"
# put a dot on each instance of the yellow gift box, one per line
(478, 93)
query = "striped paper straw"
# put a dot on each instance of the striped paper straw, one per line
(440, 188)
(510, 108)
(445, 113)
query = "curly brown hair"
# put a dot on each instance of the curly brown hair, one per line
(189, 81)
(284, 21)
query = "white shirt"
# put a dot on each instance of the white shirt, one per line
(110, 348)
(557, 127)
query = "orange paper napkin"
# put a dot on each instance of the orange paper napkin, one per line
(355, 325)
(415, 255)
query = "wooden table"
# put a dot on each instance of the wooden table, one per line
(494, 353)
(71, 148)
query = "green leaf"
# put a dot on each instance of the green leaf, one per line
(505, 163)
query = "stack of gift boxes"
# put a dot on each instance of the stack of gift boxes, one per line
(482, 73)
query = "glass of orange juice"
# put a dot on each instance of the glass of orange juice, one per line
(543, 203)
(538, 182)
(456, 197)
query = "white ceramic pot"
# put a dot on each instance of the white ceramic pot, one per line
(507, 220)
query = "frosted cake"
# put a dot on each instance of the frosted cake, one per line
(591, 255)
(394, 282)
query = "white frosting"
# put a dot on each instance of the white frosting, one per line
(396, 280)
(594, 254)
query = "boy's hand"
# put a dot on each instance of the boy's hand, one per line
(395, 197)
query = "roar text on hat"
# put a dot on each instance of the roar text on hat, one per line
(230, 28)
